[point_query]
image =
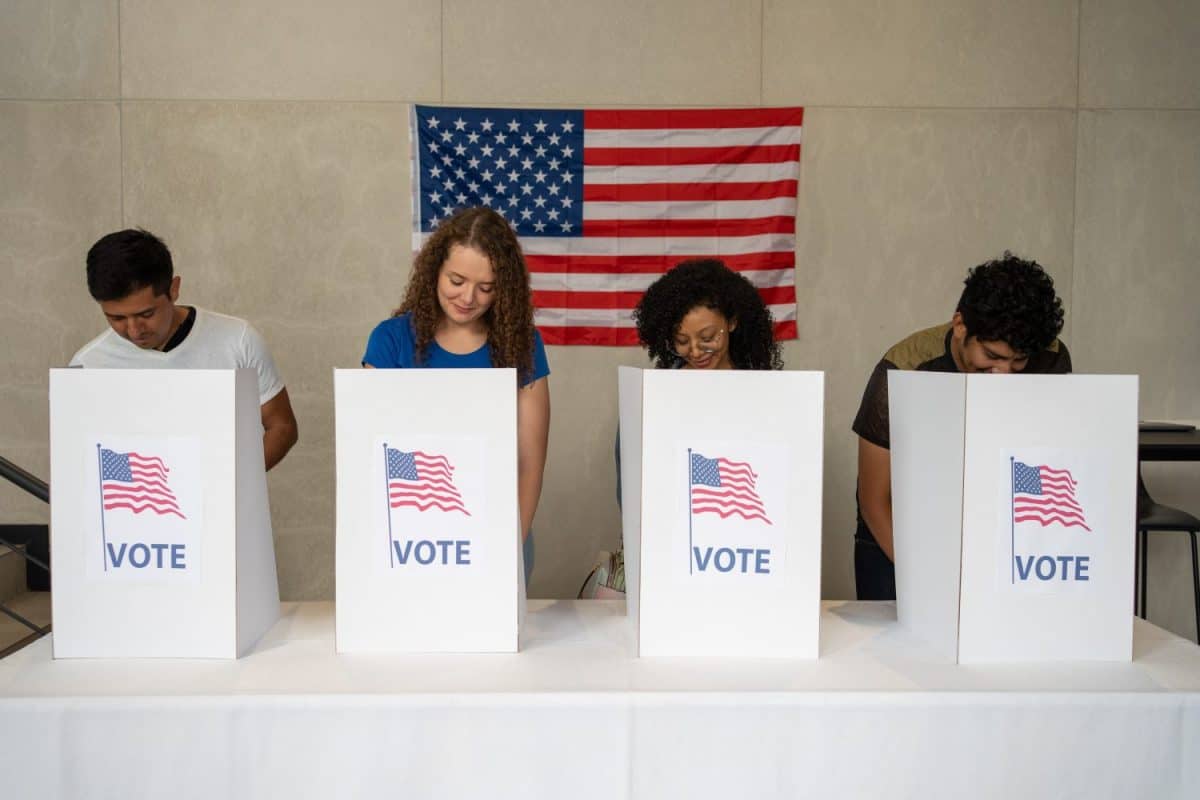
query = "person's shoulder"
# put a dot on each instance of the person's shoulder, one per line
(216, 318)
(1054, 360)
(399, 327)
(215, 325)
(215, 329)
(400, 322)
(918, 348)
(392, 343)
(93, 350)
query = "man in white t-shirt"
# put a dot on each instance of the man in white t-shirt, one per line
(130, 274)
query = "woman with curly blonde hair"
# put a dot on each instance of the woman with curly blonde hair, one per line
(469, 305)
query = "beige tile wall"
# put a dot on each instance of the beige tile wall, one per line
(623, 52)
(276, 49)
(60, 185)
(924, 53)
(1139, 54)
(59, 49)
(266, 141)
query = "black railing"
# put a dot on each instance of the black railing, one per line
(41, 490)
(25, 480)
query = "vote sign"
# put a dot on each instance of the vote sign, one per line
(428, 540)
(736, 507)
(430, 502)
(1055, 519)
(147, 500)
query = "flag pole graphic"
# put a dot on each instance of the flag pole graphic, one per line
(103, 531)
(1012, 520)
(691, 556)
(387, 501)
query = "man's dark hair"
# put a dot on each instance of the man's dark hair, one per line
(124, 262)
(1011, 300)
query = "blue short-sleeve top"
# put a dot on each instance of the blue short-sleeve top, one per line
(393, 345)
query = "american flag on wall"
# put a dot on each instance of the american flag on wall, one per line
(724, 487)
(136, 482)
(606, 201)
(1044, 495)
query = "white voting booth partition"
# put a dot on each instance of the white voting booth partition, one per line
(1013, 502)
(721, 510)
(428, 556)
(160, 525)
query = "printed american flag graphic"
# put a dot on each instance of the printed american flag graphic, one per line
(724, 487)
(137, 483)
(604, 202)
(423, 481)
(1045, 495)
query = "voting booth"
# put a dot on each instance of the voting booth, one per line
(160, 529)
(1013, 505)
(428, 551)
(721, 510)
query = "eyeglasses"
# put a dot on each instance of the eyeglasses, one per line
(708, 345)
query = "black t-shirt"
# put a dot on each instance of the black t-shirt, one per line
(926, 351)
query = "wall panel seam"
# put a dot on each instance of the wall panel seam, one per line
(120, 117)
(442, 52)
(1071, 307)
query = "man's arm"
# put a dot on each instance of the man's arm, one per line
(533, 433)
(875, 492)
(280, 430)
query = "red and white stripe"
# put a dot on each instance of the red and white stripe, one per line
(736, 495)
(148, 490)
(1056, 503)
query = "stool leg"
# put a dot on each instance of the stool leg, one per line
(1142, 537)
(1137, 573)
(1196, 581)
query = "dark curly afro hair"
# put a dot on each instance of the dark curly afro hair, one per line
(707, 283)
(1011, 300)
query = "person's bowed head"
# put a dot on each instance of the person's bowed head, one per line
(703, 315)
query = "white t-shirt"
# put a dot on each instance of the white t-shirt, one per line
(216, 341)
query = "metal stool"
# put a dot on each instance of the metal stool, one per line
(1152, 516)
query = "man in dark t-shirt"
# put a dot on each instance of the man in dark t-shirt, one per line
(1007, 320)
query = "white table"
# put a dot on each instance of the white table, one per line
(575, 715)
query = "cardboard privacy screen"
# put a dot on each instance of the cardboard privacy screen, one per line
(1014, 502)
(160, 525)
(428, 555)
(722, 510)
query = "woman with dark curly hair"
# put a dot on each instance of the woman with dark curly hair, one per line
(703, 315)
(469, 305)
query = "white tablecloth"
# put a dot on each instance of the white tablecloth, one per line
(575, 715)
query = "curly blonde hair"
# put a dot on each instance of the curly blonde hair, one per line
(509, 319)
